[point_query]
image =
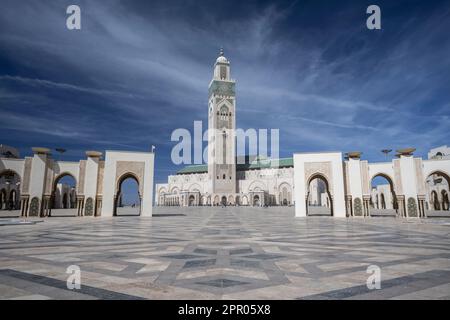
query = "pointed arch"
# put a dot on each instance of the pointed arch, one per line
(118, 198)
(325, 180)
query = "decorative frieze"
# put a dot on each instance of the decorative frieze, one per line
(81, 177)
(319, 168)
(26, 176)
(134, 167)
(412, 208)
(358, 209)
(397, 177)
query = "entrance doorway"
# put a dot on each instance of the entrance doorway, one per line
(437, 185)
(10, 191)
(256, 201)
(318, 200)
(383, 200)
(128, 199)
(224, 201)
(64, 197)
(191, 200)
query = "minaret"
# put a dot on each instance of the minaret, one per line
(221, 126)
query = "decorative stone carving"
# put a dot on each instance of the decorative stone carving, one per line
(49, 177)
(81, 177)
(357, 204)
(398, 177)
(346, 178)
(101, 172)
(26, 176)
(365, 177)
(322, 168)
(34, 207)
(419, 176)
(222, 88)
(134, 167)
(412, 207)
(89, 207)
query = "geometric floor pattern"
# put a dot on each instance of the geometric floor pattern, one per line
(226, 253)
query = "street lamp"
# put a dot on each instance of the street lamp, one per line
(386, 152)
(61, 151)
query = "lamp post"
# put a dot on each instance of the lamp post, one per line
(61, 152)
(386, 152)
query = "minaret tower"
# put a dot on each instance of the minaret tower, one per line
(221, 126)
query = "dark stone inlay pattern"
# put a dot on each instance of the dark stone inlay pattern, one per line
(136, 255)
(263, 256)
(205, 251)
(199, 263)
(433, 278)
(222, 283)
(59, 284)
(245, 263)
(182, 256)
(168, 215)
(241, 251)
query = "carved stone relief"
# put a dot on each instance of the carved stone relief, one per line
(89, 207)
(365, 177)
(398, 177)
(322, 168)
(419, 176)
(34, 207)
(26, 176)
(134, 167)
(101, 173)
(81, 177)
(412, 207)
(357, 207)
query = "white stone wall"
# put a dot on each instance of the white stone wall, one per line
(271, 182)
(442, 152)
(328, 165)
(38, 175)
(110, 183)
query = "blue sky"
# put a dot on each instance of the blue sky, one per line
(140, 69)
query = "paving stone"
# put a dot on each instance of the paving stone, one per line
(222, 283)
(233, 252)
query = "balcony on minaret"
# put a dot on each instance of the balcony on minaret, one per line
(222, 68)
(221, 84)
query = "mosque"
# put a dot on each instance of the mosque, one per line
(341, 182)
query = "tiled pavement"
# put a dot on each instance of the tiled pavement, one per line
(226, 253)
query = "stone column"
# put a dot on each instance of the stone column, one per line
(366, 201)
(98, 206)
(38, 175)
(401, 206)
(46, 205)
(348, 204)
(91, 176)
(80, 206)
(421, 206)
(24, 206)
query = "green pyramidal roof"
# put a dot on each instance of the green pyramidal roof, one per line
(202, 168)
(258, 163)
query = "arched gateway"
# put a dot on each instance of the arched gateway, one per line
(40, 185)
(326, 166)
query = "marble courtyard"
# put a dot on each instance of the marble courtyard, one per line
(226, 253)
